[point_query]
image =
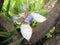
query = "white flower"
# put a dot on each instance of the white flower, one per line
(26, 31)
(38, 17)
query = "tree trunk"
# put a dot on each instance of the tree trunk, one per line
(55, 40)
(6, 24)
(57, 27)
(41, 30)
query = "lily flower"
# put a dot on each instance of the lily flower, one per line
(26, 29)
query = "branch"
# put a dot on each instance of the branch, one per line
(41, 30)
(9, 27)
(6, 24)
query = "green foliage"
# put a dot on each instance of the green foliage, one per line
(49, 34)
(19, 41)
(4, 34)
(18, 7)
(10, 35)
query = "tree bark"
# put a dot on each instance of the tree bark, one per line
(41, 30)
(6, 24)
(55, 40)
(57, 27)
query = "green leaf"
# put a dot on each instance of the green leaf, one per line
(18, 7)
(4, 34)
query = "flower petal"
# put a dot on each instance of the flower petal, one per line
(14, 18)
(24, 6)
(38, 17)
(26, 31)
(29, 19)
